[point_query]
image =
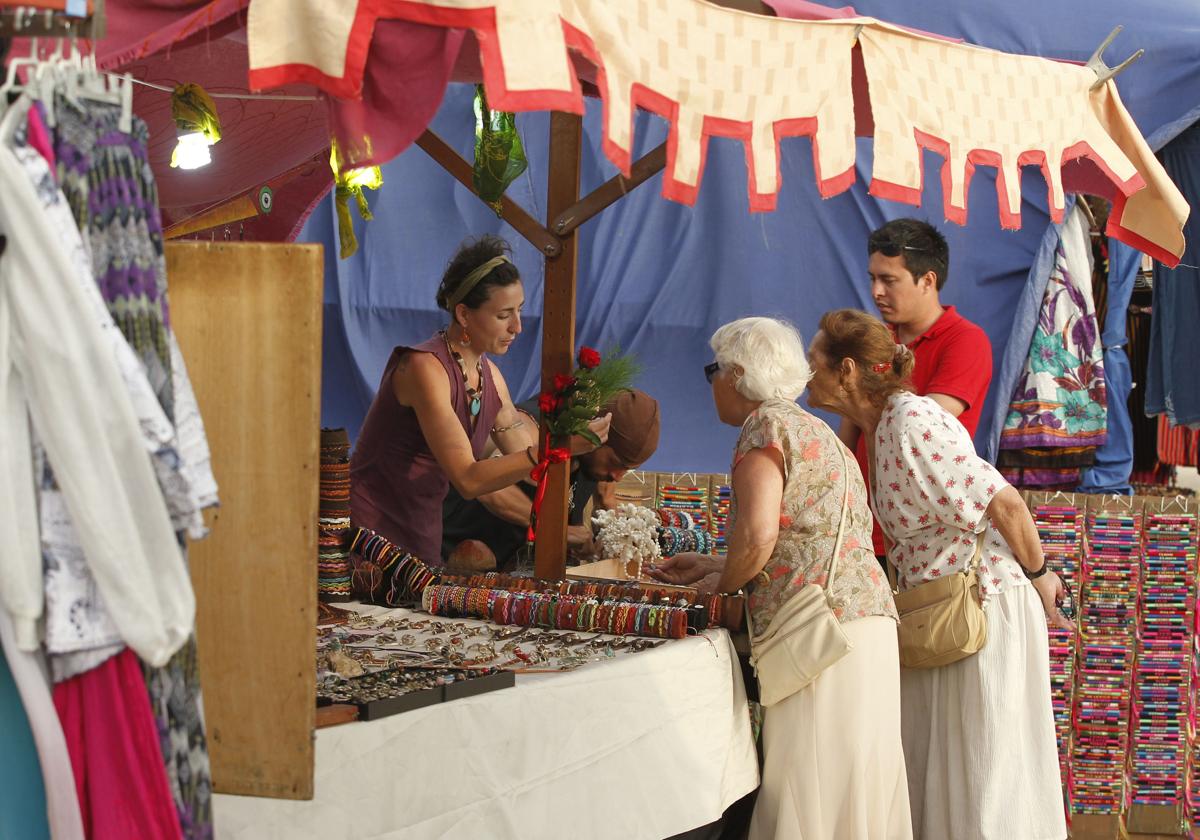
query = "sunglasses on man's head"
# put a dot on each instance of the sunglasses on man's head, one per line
(710, 370)
(892, 249)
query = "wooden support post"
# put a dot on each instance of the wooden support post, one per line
(454, 163)
(558, 332)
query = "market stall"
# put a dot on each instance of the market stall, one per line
(682, 703)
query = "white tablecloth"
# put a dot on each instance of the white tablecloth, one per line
(642, 746)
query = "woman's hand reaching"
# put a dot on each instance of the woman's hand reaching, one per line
(685, 569)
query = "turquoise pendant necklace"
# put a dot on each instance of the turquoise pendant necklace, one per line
(474, 395)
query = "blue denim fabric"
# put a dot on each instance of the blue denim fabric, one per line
(1114, 460)
(1024, 322)
(1172, 386)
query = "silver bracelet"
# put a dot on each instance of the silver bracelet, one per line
(503, 429)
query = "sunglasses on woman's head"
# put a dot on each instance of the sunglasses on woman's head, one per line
(710, 370)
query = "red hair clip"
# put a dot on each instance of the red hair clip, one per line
(882, 367)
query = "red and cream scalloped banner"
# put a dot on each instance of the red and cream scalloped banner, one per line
(715, 71)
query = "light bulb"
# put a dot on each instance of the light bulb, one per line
(191, 152)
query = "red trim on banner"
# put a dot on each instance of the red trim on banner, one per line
(483, 22)
(1114, 229)
(1012, 221)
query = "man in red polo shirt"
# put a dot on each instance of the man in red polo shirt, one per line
(908, 264)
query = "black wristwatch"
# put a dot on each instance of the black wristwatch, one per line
(1035, 575)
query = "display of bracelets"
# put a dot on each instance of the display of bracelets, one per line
(675, 518)
(383, 573)
(672, 541)
(367, 644)
(669, 620)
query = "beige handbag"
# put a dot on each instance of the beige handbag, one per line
(805, 637)
(942, 621)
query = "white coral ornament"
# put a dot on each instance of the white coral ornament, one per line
(628, 534)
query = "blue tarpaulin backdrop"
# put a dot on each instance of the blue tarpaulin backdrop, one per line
(657, 278)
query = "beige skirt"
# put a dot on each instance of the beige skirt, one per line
(979, 734)
(834, 765)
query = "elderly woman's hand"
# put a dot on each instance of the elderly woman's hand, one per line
(685, 569)
(1050, 589)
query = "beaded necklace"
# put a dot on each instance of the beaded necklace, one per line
(474, 395)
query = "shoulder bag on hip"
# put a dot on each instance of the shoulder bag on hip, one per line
(942, 621)
(805, 637)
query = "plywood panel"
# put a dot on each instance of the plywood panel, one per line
(248, 317)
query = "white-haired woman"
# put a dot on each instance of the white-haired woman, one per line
(834, 763)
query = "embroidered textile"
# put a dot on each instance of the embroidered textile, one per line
(710, 71)
(1060, 400)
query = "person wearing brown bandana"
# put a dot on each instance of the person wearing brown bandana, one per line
(489, 532)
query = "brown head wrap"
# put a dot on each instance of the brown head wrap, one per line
(633, 434)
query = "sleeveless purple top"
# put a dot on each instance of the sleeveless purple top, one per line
(396, 485)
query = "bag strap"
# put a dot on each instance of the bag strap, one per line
(977, 557)
(837, 545)
(841, 532)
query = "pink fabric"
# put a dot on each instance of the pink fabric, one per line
(115, 753)
(140, 28)
(806, 10)
(391, 114)
(39, 137)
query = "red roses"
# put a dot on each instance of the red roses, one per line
(588, 358)
(548, 403)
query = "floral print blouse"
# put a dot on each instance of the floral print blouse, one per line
(816, 469)
(931, 497)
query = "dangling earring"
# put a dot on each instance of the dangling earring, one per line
(465, 341)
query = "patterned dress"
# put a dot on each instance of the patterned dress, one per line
(814, 471)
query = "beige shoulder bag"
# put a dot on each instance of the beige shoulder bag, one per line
(942, 621)
(805, 637)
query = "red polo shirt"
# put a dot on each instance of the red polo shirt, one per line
(953, 357)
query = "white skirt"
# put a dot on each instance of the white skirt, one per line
(979, 734)
(834, 764)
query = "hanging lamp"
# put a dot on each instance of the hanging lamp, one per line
(197, 125)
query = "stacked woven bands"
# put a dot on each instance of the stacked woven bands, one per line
(333, 523)
(672, 541)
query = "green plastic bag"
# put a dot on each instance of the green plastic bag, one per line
(499, 155)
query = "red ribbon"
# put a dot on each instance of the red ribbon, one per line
(554, 455)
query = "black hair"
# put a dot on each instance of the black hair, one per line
(469, 256)
(919, 244)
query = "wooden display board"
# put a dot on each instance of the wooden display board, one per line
(248, 318)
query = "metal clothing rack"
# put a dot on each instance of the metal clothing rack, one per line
(52, 19)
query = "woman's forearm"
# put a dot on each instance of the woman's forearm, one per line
(478, 477)
(746, 558)
(1014, 522)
